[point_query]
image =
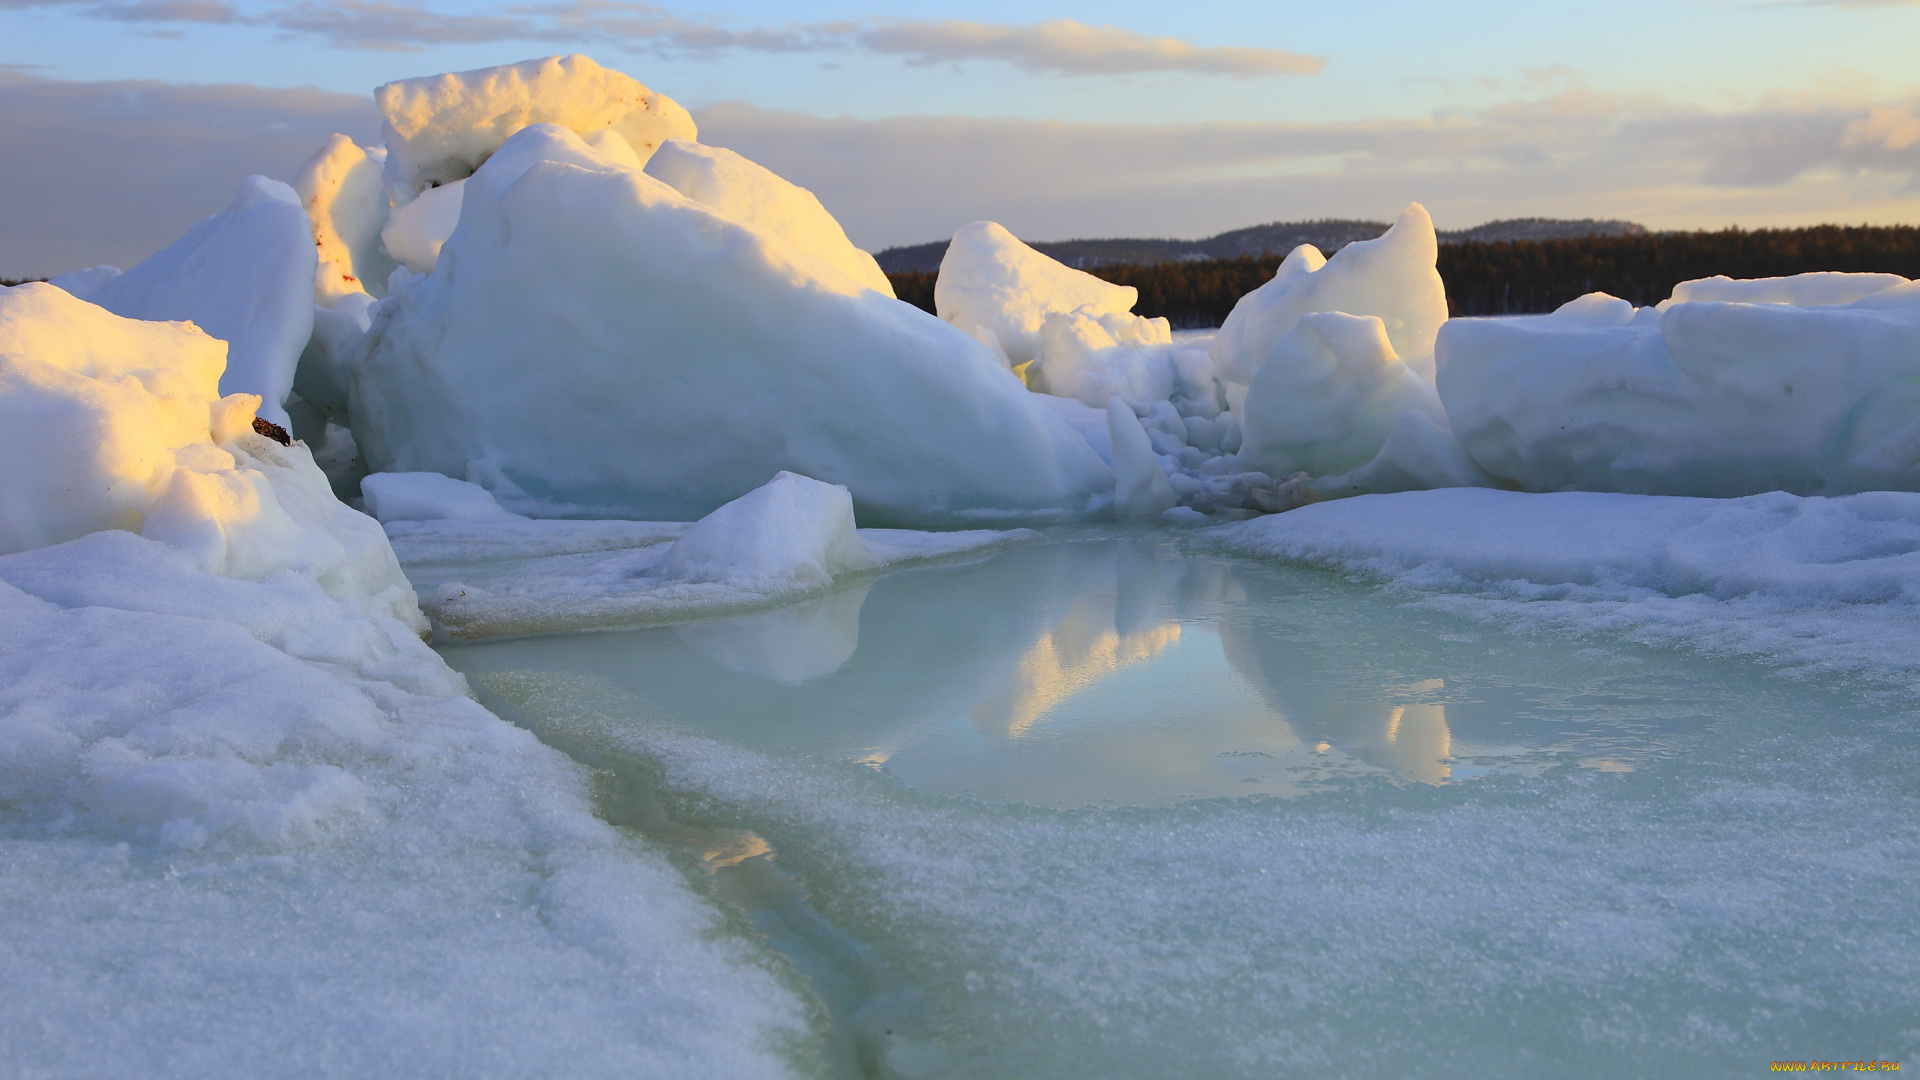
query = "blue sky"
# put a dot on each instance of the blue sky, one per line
(1060, 120)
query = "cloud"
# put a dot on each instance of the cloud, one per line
(913, 179)
(1074, 48)
(112, 171)
(1060, 47)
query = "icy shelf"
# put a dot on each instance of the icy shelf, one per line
(1117, 807)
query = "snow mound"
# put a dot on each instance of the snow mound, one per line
(1813, 584)
(1392, 278)
(1706, 398)
(1000, 290)
(84, 283)
(594, 337)
(425, 496)
(441, 128)
(1328, 396)
(340, 189)
(244, 275)
(791, 533)
(753, 195)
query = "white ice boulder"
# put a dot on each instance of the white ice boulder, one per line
(441, 128)
(1094, 357)
(244, 275)
(1705, 398)
(84, 283)
(791, 533)
(1140, 489)
(594, 337)
(1419, 453)
(1392, 278)
(341, 190)
(1328, 395)
(426, 496)
(754, 195)
(996, 288)
(415, 231)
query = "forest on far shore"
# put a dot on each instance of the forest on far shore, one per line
(1523, 277)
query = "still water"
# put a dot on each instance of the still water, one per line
(1120, 807)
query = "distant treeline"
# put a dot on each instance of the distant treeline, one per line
(1531, 276)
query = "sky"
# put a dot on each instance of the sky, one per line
(124, 121)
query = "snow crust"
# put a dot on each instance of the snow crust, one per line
(243, 807)
(1000, 290)
(1813, 584)
(754, 195)
(1708, 398)
(526, 357)
(441, 128)
(244, 275)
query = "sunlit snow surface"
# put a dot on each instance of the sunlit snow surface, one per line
(1123, 805)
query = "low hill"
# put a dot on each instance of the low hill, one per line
(1259, 241)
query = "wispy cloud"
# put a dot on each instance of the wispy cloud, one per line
(1063, 45)
(1058, 47)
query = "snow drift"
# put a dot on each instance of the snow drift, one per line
(1708, 397)
(593, 337)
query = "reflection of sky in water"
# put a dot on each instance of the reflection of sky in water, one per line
(1123, 670)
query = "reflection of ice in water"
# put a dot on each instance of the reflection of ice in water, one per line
(1117, 670)
(788, 645)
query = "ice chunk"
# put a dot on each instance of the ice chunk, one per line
(1800, 290)
(425, 496)
(1713, 399)
(1392, 278)
(792, 533)
(341, 190)
(1419, 453)
(754, 195)
(1140, 489)
(246, 276)
(415, 231)
(1327, 396)
(441, 128)
(1095, 357)
(602, 339)
(991, 281)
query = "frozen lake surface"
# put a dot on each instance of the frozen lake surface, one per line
(1115, 805)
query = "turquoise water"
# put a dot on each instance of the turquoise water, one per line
(1115, 807)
